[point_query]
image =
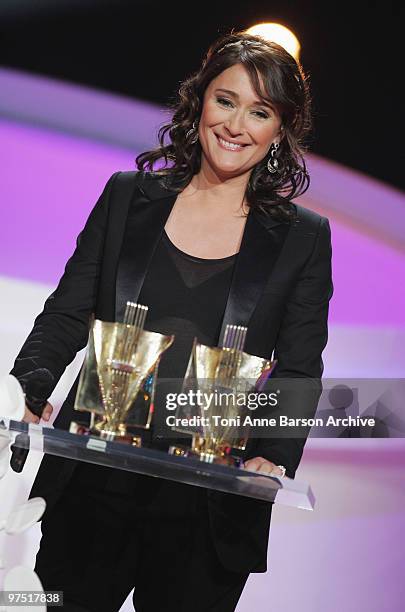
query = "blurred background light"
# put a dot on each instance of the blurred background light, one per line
(278, 33)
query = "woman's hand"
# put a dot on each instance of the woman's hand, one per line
(259, 464)
(30, 417)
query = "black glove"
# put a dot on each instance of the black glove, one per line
(36, 386)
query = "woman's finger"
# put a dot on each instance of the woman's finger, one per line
(259, 464)
(47, 412)
(30, 417)
(254, 465)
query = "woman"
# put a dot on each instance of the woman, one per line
(216, 225)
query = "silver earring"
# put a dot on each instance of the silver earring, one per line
(193, 130)
(272, 163)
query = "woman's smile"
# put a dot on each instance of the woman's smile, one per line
(229, 146)
(238, 120)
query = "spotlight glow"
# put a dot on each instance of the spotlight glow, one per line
(278, 33)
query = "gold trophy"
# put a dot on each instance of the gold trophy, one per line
(118, 378)
(220, 379)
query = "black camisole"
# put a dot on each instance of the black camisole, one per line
(186, 296)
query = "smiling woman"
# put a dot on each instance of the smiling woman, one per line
(248, 92)
(235, 134)
(236, 124)
(200, 242)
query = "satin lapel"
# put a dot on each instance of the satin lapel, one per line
(262, 241)
(144, 227)
(260, 248)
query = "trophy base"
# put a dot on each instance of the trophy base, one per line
(206, 456)
(123, 437)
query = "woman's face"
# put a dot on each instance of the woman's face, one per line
(232, 112)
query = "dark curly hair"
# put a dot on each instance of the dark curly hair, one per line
(285, 85)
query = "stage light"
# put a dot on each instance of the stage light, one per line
(279, 34)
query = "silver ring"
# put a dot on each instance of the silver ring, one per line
(283, 469)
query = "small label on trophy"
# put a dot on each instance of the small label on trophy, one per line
(98, 445)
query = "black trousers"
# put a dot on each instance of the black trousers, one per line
(113, 530)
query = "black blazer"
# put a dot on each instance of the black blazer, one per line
(280, 289)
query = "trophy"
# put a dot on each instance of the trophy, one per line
(118, 378)
(217, 382)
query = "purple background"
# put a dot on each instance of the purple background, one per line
(57, 150)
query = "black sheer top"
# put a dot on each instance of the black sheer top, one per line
(186, 296)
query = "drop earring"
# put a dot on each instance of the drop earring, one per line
(272, 162)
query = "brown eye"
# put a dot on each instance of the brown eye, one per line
(261, 114)
(224, 101)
